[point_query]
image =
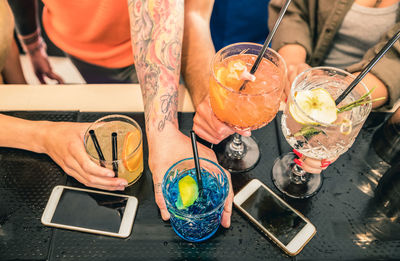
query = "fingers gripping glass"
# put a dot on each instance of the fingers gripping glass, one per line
(115, 142)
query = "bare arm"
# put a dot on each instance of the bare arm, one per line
(19, 133)
(63, 142)
(12, 72)
(198, 49)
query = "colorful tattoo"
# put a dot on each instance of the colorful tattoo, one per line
(156, 32)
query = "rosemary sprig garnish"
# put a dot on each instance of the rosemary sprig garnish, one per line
(361, 101)
(308, 132)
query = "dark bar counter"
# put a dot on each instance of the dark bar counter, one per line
(354, 220)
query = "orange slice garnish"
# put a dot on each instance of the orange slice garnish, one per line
(131, 142)
(221, 74)
(235, 68)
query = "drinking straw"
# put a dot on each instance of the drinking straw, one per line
(97, 146)
(267, 41)
(114, 153)
(196, 160)
(371, 64)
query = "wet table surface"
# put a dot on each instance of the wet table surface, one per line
(353, 221)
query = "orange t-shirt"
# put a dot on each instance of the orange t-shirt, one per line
(95, 31)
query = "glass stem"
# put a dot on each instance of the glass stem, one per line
(236, 148)
(298, 175)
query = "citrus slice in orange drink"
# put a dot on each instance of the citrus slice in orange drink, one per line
(131, 142)
(221, 75)
(235, 68)
(219, 94)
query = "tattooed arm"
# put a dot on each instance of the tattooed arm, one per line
(156, 32)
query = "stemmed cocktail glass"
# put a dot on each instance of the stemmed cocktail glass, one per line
(316, 129)
(244, 104)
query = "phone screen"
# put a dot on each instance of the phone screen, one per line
(277, 218)
(90, 210)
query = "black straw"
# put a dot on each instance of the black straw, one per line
(114, 153)
(268, 41)
(97, 146)
(196, 160)
(371, 64)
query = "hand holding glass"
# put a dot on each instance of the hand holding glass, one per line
(195, 216)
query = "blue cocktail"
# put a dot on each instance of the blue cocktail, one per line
(195, 215)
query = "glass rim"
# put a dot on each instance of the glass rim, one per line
(297, 79)
(186, 215)
(280, 58)
(132, 121)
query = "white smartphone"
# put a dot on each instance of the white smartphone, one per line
(90, 211)
(287, 227)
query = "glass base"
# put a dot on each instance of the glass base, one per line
(195, 240)
(290, 184)
(237, 164)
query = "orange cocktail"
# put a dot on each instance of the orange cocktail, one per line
(129, 150)
(243, 100)
(258, 102)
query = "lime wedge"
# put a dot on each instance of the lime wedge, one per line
(188, 191)
(317, 104)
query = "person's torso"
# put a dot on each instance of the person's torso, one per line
(239, 21)
(360, 30)
(95, 31)
(325, 18)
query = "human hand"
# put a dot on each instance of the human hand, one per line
(311, 165)
(170, 148)
(208, 127)
(36, 51)
(63, 142)
(293, 71)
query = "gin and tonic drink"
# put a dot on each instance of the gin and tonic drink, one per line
(317, 128)
(195, 215)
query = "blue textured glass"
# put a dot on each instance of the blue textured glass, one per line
(200, 220)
